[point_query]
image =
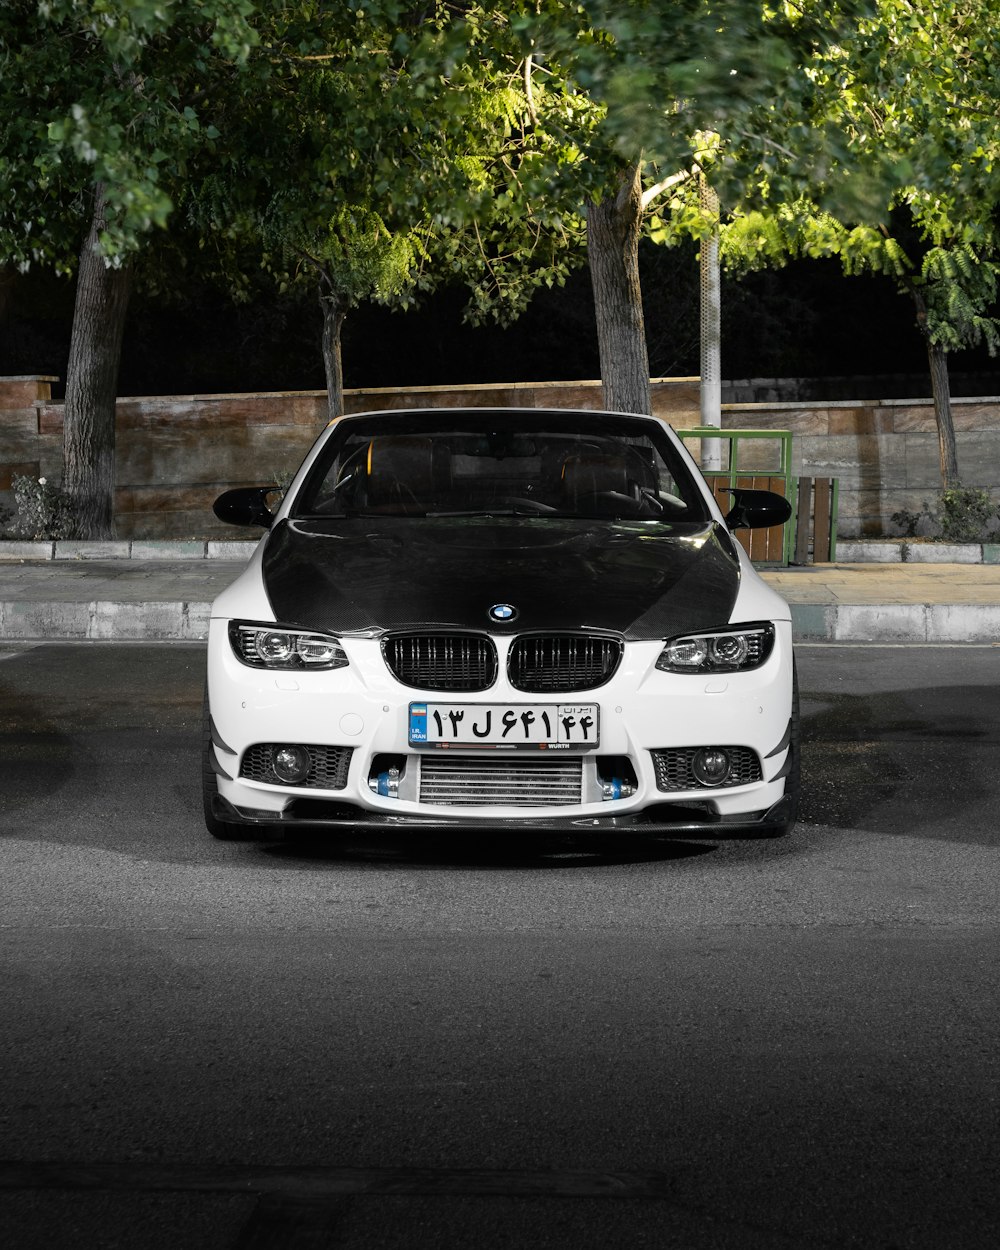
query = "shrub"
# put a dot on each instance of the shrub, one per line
(966, 514)
(43, 510)
(908, 522)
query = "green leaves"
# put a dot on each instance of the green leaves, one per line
(482, 131)
(127, 28)
(910, 192)
(115, 93)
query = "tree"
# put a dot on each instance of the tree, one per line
(677, 86)
(99, 119)
(293, 191)
(505, 128)
(924, 90)
(914, 92)
(110, 125)
(390, 149)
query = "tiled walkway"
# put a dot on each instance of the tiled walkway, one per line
(888, 583)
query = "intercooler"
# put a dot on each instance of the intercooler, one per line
(464, 781)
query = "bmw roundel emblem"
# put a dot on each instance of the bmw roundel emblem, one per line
(502, 612)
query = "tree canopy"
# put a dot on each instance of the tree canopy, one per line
(108, 94)
(373, 151)
(916, 92)
(681, 89)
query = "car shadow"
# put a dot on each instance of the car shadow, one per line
(915, 762)
(36, 766)
(499, 850)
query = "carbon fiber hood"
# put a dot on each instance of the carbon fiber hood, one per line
(640, 580)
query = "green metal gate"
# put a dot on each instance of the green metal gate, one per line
(760, 460)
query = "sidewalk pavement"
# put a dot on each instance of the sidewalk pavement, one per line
(164, 593)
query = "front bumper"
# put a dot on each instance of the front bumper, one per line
(662, 820)
(363, 710)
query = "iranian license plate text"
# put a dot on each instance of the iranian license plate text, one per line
(552, 725)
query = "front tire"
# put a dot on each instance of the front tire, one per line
(793, 780)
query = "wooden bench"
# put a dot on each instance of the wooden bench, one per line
(816, 521)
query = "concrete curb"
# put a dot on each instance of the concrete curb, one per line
(903, 552)
(896, 622)
(848, 551)
(126, 549)
(99, 621)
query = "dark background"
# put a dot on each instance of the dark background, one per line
(805, 321)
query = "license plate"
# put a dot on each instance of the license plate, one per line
(538, 726)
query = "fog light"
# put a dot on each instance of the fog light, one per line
(710, 766)
(290, 764)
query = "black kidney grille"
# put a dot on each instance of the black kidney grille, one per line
(327, 770)
(442, 661)
(562, 662)
(674, 771)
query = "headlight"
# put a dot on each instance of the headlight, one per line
(275, 646)
(720, 651)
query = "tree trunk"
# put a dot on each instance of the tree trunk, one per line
(613, 228)
(334, 312)
(937, 359)
(92, 384)
(941, 390)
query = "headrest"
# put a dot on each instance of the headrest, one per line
(406, 472)
(591, 473)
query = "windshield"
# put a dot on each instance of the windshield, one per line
(481, 462)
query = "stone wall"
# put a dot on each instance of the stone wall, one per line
(884, 452)
(851, 387)
(176, 453)
(23, 449)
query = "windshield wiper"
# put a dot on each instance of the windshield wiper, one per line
(525, 511)
(354, 515)
(477, 512)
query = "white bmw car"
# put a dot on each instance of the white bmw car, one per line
(500, 619)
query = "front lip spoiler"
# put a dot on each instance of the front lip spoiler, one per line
(345, 817)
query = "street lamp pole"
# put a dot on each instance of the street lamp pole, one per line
(711, 304)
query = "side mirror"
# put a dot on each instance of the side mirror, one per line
(246, 505)
(757, 509)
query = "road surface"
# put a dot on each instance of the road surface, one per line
(408, 1042)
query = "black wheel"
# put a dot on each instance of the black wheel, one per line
(221, 829)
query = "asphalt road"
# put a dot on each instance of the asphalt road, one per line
(421, 1044)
